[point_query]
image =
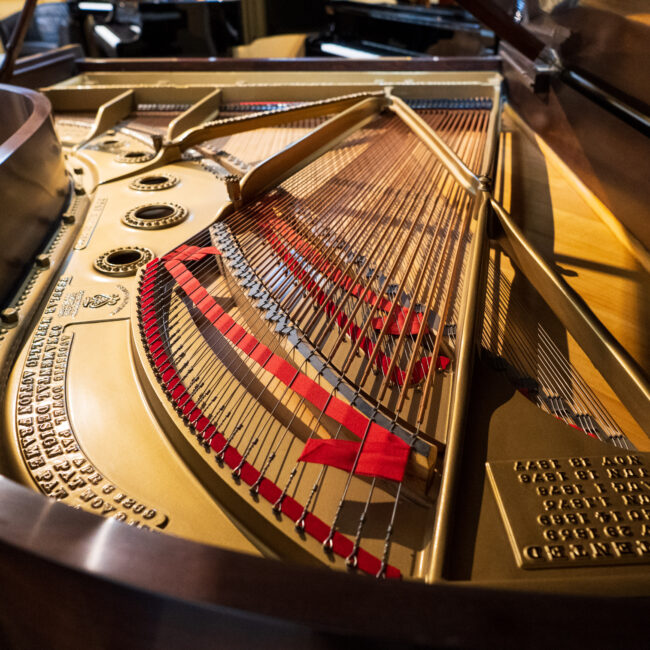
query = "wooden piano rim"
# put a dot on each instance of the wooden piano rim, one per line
(39, 109)
(171, 581)
(392, 64)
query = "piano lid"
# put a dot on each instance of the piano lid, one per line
(582, 60)
(604, 41)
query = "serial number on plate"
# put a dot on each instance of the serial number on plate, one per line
(580, 511)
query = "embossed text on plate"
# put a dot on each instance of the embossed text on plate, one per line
(580, 511)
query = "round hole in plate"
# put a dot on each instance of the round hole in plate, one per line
(109, 142)
(123, 261)
(154, 212)
(134, 157)
(153, 182)
(154, 216)
(124, 257)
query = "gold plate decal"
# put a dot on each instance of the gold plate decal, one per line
(581, 511)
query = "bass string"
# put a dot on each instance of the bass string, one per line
(448, 293)
(391, 524)
(281, 398)
(453, 208)
(359, 275)
(394, 271)
(333, 255)
(342, 499)
(378, 255)
(389, 214)
(243, 215)
(342, 209)
(259, 144)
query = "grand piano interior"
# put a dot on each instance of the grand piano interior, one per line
(320, 351)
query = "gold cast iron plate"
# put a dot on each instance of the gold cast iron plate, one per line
(581, 511)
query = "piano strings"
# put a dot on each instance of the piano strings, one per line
(362, 228)
(536, 366)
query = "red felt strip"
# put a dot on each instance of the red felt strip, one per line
(379, 454)
(304, 249)
(337, 453)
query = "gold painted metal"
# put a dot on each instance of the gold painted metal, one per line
(205, 109)
(231, 126)
(552, 539)
(109, 114)
(90, 97)
(83, 100)
(124, 260)
(35, 289)
(172, 151)
(152, 216)
(134, 157)
(470, 309)
(448, 157)
(107, 416)
(458, 411)
(274, 170)
(149, 183)
(166, 155)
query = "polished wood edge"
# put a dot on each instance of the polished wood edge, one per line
(504, 26)
(217, 581)
(16, 39)
(40, 113)
(396, 64)
(47, 68)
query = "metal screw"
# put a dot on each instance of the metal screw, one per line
(43, 261)
(9, 316)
